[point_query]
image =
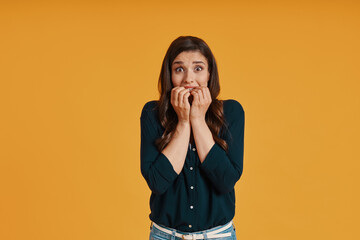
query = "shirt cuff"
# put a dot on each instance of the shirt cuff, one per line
(165, 168)
(211, 163)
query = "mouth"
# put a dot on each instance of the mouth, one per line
(189, 87)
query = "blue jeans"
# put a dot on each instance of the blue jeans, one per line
(156, 234)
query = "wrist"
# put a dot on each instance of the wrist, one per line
(182, 129)
(183, 125)
(197, 121)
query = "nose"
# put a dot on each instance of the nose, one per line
(189, 77)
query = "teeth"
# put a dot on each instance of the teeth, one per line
(190, 89)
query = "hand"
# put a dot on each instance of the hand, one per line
(200, 104)
(179, 101)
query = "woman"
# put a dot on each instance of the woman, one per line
(191, 147)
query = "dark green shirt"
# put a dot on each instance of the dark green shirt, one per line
(202, 196)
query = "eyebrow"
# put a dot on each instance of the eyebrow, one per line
(195, 62)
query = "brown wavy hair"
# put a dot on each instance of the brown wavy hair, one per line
(168, 118)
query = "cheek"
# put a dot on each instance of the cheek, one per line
(176, 80)
(203, 79)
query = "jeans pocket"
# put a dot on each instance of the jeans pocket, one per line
(157, 238)
(154, 236)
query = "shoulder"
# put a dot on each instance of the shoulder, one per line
(149, 109)
(150, 106)
(232, 108)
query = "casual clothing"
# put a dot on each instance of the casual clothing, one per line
(202, 196)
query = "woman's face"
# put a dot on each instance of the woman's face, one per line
(190, 69)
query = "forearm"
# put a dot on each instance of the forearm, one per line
(176, 149)
(203, 138)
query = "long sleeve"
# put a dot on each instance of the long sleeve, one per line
(223, 168)
(155, 167)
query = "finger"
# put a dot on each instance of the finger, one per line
(175, 94)
(208, 94)
(205, 95)
(200, 95)
(173, 97)
(195, 96)
(181, 94)
(186, 99)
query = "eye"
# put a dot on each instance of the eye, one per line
(179, 69)
(198, 68)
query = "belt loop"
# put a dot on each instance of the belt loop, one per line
(205, 236)
(173, 235)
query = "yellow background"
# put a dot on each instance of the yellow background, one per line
(75, 76)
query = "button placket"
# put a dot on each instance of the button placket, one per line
(192, 174)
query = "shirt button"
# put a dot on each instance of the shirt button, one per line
(192, 187)
(191, 207)
(191, 168)
(194, 149)
(190, 226)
